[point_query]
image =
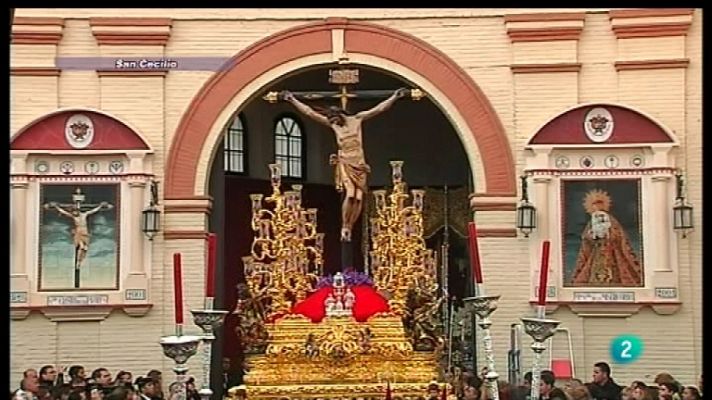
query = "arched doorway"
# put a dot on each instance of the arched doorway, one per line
(461, 105)
(416, 132)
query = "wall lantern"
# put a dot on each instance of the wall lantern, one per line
(682, 212)
(151, 214)
(526, 213)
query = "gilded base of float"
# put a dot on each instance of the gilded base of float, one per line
(339, 358)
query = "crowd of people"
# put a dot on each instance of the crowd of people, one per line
(50, 383)
(601, 387)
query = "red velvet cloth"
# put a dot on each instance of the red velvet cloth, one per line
(368, 302)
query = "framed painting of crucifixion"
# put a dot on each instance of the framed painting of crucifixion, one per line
(79, 237)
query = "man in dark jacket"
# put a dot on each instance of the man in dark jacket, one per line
(50, 379)
(603, 387)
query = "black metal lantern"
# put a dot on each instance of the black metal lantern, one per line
(151, 214)
(682, 212)
(526, 212)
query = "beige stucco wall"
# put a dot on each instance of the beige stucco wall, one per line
(476, 40)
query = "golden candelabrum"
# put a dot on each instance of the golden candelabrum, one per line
(286, 257)
(399, 259)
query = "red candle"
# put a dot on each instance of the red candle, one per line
(474, 253)
(544, 272)
(210, 275)
(178, 288)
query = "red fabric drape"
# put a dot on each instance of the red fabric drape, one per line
(368, 302)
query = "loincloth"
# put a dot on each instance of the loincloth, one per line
(354, 172)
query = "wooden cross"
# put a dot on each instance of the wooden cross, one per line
(343, 77)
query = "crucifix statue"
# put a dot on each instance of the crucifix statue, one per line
(351, 169)
(80, 232)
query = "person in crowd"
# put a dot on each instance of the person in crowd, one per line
(636, 384)
(232, 374)
(547, 390)
(603, 387)
(146, 388)
(433, 391)
(29, 388)
(668, 389)
(51, 377)
(522, 391)
(577, 392)
(30, 373)
(470, 392)
(77, 377)
(691, 393)
(122, 378)
(665, 377)
(102, 377)
(173, 391)
(626, 393)
(157, 377)
(573, 382)
(120, 393)
(95, 392)
(191, 391)
(77, 395)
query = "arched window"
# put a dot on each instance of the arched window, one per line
(236, 146)
(289, 146)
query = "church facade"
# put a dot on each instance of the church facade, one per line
(599, 110)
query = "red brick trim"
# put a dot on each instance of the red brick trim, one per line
(541, 17)
(136, 38)
(34, 71)
(541, 68)
(38, 21)
(652, 30)
(652, 64)
(493, 194)
(544, 34)
(105, 35)
(497, 232)
(315, 38)
(177, 235)
(493, 206)
(186, 209)
(129, 73)
(119, 21)
(191, 197)
(650, 12)
(37, 37)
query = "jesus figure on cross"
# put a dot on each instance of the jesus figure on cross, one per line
(351, 170)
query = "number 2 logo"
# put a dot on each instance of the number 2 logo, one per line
(626, 348)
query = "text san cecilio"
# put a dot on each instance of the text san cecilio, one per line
(146, 64)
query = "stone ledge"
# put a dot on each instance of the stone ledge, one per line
(611, 309)
(79, 313)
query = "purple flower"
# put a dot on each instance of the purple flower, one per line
(351, 278)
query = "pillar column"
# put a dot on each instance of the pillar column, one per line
(661, 224)
(19, 233)
(541, 202)
(137, 237)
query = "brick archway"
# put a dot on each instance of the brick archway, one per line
(359, 37)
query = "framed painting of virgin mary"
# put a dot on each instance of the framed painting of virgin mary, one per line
(602, 233)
